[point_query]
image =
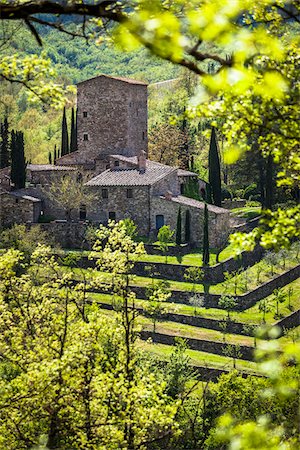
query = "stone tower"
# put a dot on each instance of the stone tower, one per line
(111, 118)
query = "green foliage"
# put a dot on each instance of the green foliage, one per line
(157, 294)
(214, 174)
(187, 226)
(205, 237)
(178, 228)
(73, 134)
(4, 144)
(165, 237)
(24, 239)
(228, 303)
(18, 164)
(64, 135)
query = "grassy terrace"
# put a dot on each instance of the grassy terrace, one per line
(251, 315)
(201, 358)
(193, 258)
(245, 281)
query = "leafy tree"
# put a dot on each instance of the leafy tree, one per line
(25, 240)
(205, 257)
(70, 194)
(64, 135)
(178, 228)
(264, 306)
(290, 292)
(165, 238)
(214, 174)
(233, 351)
(18, 164)
(279, 296)
(246, 429)
(155, 308)
(228, 303)
(187, 226)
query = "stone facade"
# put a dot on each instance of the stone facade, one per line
(112, 117)
(118, 206)
(18, 208)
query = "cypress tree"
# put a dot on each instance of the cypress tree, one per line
(73, 143)
(205, 237)
(50, 157)
(214, 176)
(187, 227)
(178, 227)
(64, 135)
(54, 155)
(4, 147)
(269, 182)
(18, 164)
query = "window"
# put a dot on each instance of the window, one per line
(129, 193)
(117, 163)
(84, 113)
(112, 215)
(104, 193)
(82, 212)
(85, 137)
(17, 200)
(143, 135)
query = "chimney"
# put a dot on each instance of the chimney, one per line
(142, 162)
(168, 195)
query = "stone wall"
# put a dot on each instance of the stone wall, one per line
(291, 321)
(137, 207)
(169, 183)
(113, 114)
(15, 209)
(219, 227)
(201, 345)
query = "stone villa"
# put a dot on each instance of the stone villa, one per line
(112, 156)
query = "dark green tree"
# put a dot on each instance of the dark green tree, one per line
(205, 237)
(214, 175)
(73, 142)
(187, 228)
(54, 155)
(178, 227)
(269, 182)
(64, 135)
(4, 144)
(18, 164)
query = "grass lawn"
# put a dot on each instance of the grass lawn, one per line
(201, 358)
(247, 212)
(182, 330)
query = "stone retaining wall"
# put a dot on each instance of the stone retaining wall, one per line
(244, 301)
(290, 321)
(217, 348)
(175, 272)
(212, 275)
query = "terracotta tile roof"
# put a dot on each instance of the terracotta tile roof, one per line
(131, 177)
(125, 80)
(42, 167)
(185, 201)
